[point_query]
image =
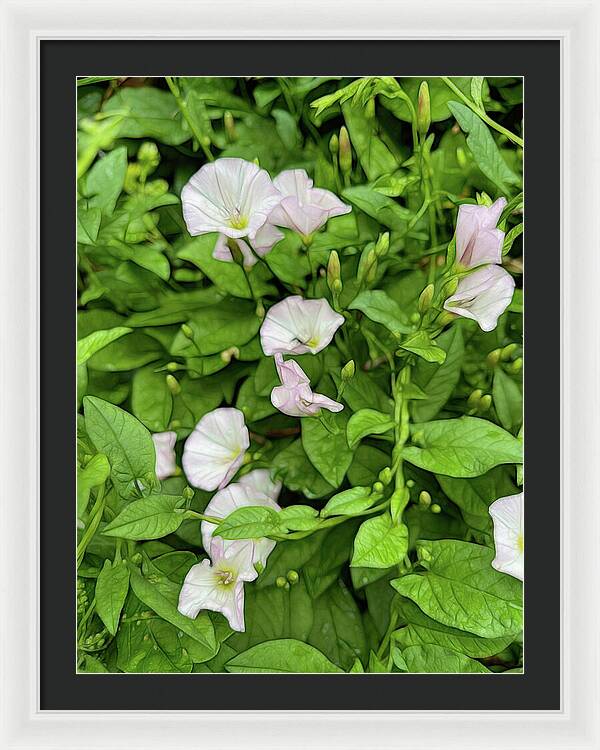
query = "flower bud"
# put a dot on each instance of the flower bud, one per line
(451, 287)
(280, 582)
(260, 309)
(293, 576)
(337, 287)
(132, 176)
(334, 144)
(424, 554)
(174, 424)
(414, 317)
(173, 384)
(485, 403)
(149, 156)
(423, 109)
(425, 498)
(382, 245)
(410, 483)
(172, 367)
(508, 351)
(333, 268)
(426, 298)
(385, 475)
(188, 493)
(136, 559)
(493, 357)
(378, 487)
(187, 331)
(461, 157)
(345, 151)
(435, 508)
(229, 124)
(348, 370)
(371, 267)
(228, 354)
(515, 367)
(474, 398)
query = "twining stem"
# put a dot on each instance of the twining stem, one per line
(182, 104)
(388, 634)
(401, 432)
(484, 116)
(95, 518)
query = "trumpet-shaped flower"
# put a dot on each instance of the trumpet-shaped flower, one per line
(483, 296)
(259, 480)
(298, 326)
(215, 449)
(219, 585)
(478, 241)
(266, 237)
(230, 196)
(294, 396)
(225, 502)
(507, 515)
(303, 207)
(164, 447)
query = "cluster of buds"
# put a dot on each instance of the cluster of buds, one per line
(290, 579)
(504, 357)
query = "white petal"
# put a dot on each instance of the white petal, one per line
(298, 326)
(483, 296)
(507, 515)
(222, 251)
(215, 450)
(477, 239)
(164, 445)
(267, 236)
(259, 480)
(232, 196)
(199, 590)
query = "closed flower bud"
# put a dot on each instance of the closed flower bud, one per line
(415, 317)
(426, 298)
(156, 188)
(188, 493)
(435, 508)
(149, 156)
(337, 286)
(345, 151)
(348, 370)
(516, 366)
(378, 487)
(280, 582)
(461, 157)
(228, 354)
(485, 403)
(385, 475)
(172, 367)
(382, 245)
(423, 109)
(410, 483)
(493, 357)
(333, 268)
(508, 351)
(451, 287)
(334, 144)
(173, 384)
(474, 398)
(293, 576)
(229, 124)
(425, 498)
(187, 331)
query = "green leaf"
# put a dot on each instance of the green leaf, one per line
(375, 157)
(380, 308)
(439, 382)
(88, 224)
(125, 441)
(93, 474)
(435, 659)
(126, 353)
(385, 210)
(477, 90)
(150, 518)
(421, 630)
(464, 447)
(362, 392)
(298, 473)
(424, 346)
(112, 586)
(367, 422)
(148, 112)
(250, 522)
(151, 399)
(299, 518)
(97, 340)
(327, 449)
(200, 629)
(349, 502)
(366, 465)
(483, 147)
(285, 655)
(462, 590)
(508, 400)
(104, 182)
(379, 543)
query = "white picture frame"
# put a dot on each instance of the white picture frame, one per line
(576, 24)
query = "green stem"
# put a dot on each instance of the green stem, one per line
(95, 518)
(182, 104)
(388, 634)
(483, 115)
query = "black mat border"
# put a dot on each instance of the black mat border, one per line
(539, 63)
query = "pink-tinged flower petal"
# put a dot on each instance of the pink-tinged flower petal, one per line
(225, 502)
(507, 515)
(164, 447)
(298, 326)
(259, 480)
(483, 296)
(266, 237)
(231, 196)
(477, 239)
(219, 586)
(294, 396)
(215, 450)
(222, 251)
(304, 208)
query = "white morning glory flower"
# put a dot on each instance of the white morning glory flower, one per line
(478, 241)
(304, 208)
(225, 502)
(259, 480)
(297, 326)
(230, 196)
(266, 237)
(219, 586)
(294, 396)
(507, 515)
(164, 447)
(483, 296)
(215, 449)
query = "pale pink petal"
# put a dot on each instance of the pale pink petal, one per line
(478, 241)
(298, 326)
(294, 396)
(266, 237)
(199, 590)
(215, 449)
(259, 480)
(222, 251)
(507, 515)
(164, 447)
(326, 403)
(483, 296)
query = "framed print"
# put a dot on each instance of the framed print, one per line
(305, 291)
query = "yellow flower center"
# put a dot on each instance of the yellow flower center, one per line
(312, 343)
(225, 577)
(238, 221)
